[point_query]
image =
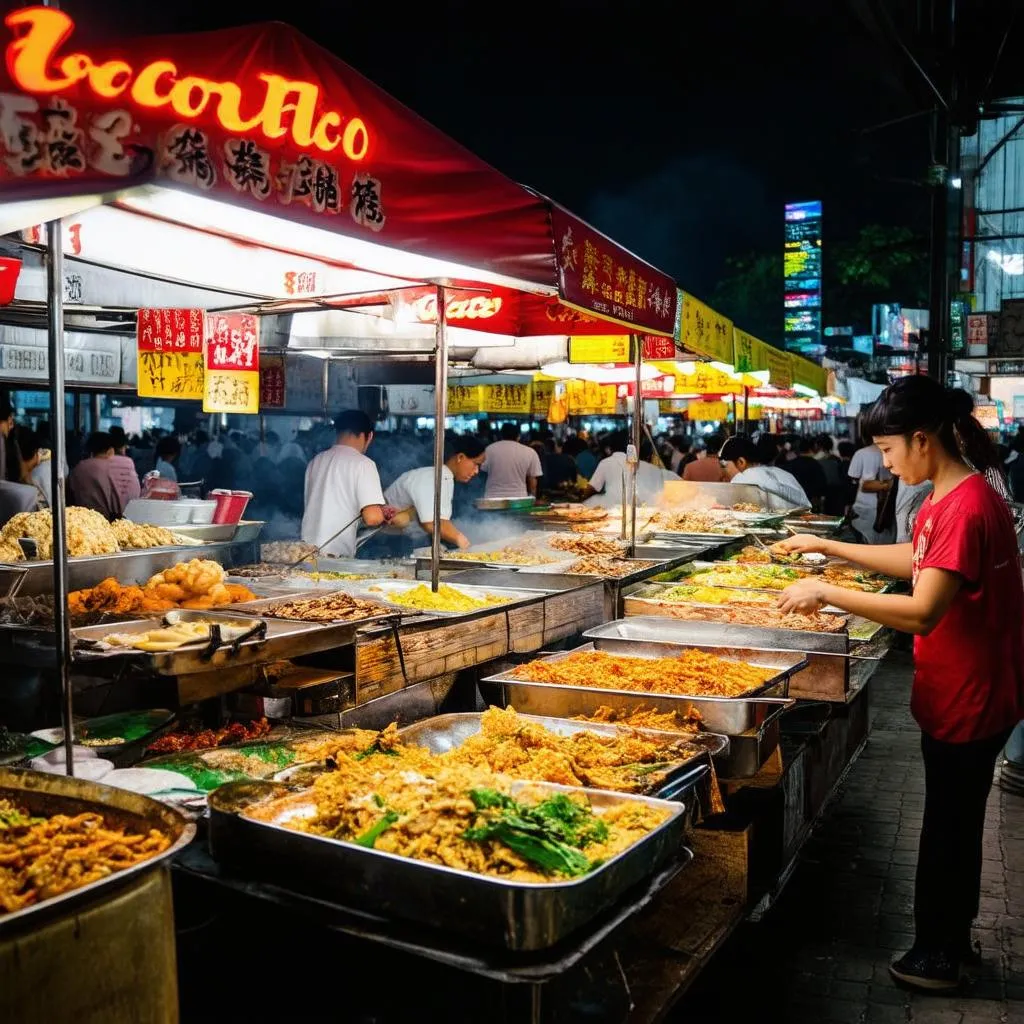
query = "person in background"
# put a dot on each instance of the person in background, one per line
(464, 455)
(558, 467)
(836, 486)
(966, 611)
(24, 445)
(909, 499)
(706, 468)
(512, 469)
(747, 463)
(6, 426)
(168, 451)
(605, 487)
(343, 487)
(808, 472)
(586, 459)
(680, 448)
(92, 482)
(872, 479)
(122, 468)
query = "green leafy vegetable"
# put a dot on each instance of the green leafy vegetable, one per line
(372, 834)
(374, 748)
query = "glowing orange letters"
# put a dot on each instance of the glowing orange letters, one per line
(288, 107)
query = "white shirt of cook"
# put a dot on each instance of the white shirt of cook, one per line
(607, 480)
(415, 488)
(340, 483)
(507, 465)
(773, 480)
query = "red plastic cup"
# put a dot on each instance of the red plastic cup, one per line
(10, 269)
(230, 505)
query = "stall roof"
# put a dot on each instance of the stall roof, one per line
(259, 136)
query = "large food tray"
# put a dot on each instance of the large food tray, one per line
(512, 915)
(446, 732)
(383, 591)
(45, 794)
(729, 716)
(652, 595)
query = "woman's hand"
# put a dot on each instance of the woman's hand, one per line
(804, 598)
(803, 543)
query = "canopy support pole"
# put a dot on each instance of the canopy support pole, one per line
(55, 355)
(440, 412)
(638, 406)
(746, 410)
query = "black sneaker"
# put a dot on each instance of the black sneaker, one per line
(927, 971)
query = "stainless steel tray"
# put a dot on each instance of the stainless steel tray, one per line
(653, 593)
(729, 716)
(382, 589)
(512, 915)
(446, 732)
(45, 794)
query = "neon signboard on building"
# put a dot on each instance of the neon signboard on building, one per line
(802, 277)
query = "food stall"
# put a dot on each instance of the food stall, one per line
(511, 846)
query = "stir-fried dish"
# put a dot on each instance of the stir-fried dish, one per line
(587, 545)
(330, 608)
(446, 599)
(693, 673)
(762, 577)
(644, 717)
(750, 615)
(715, 595)
(43, 857)
(608, 566)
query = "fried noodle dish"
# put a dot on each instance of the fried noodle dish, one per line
(45, 857)
(645, 717)
(588, 545)
(764, 618)
(608, 566)
(332, 608)
(693, 673)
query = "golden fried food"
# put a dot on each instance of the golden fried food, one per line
(446, 599)
(168, 638)
(587, 545)
(852, 578)
(693, 673)
(137, 536)
(644, 717)
(687, 594)
(763, 618)
(746, 506)
(699, 522)
(45, 857)
(10, 551)
(88, 533)
(608, 566)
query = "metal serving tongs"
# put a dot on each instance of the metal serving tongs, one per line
(315, 552)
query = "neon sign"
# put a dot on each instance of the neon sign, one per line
(479, 307)
(287, 107)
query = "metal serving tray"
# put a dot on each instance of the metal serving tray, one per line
(383, 589)
(512, 915)
(45, 794)
(729, 716)
(446, 732)
(450, 562)
(652, 595)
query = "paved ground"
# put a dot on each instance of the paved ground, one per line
(821, 954)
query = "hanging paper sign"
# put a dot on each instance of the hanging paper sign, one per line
(706, 380)
(585, 398)
(748, 352)
(780, 367)
(462, 400)
(272, 382)
(704, 331)
(810, 375)
(656, 347)
(516, 399)
(596, 276)
(170, 353)
(707, 411)
(232, 379)
(543, 393)
(600, 348)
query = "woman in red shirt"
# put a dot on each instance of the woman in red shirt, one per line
(966, 612)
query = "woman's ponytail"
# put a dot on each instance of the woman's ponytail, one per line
(970, 437)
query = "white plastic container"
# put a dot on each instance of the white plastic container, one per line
(158, 513)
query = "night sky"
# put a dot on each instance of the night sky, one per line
(680, 129)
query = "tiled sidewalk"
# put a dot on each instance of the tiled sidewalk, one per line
(821, 954)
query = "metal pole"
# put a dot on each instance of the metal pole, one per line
(55, 355)
(94, 413)
(746, 409)
(638, 411)
(325, 384)
(440, 411)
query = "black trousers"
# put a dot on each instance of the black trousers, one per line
(958, 778)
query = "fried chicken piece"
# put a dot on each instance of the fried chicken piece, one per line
(238, 593)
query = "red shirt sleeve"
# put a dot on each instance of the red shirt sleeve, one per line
(956, 541)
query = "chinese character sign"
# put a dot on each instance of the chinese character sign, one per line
(232, 381)
(170, 353)
(464, 400)
(704, 331)
(600, 348)
(656, 347)
(596, 276)
(584, 397)
(272, 382)
(543, 393)
(780, 367)
(749, 353)
(516, 399)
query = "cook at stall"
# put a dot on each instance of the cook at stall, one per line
(98, 481)
(747, 463)
(343, 488)
(464, 455)
(605, 488)
(512, 468)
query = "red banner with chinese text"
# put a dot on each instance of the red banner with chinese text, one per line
(597, 276)
(232, 379)
(272, 382)
(170, 353)
(655, 348)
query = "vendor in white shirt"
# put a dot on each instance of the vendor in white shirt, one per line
(343, 485)
(464, 455)
(512, 468)
(744, 463)
(605, 488)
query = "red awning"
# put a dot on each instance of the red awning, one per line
(262, 117)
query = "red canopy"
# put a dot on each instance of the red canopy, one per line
(264, 118)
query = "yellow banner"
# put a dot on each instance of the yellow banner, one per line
(462, 400)
(231, 391)
(600, 348)
(810, 375)
(588, 399)
(704, 331)
(508, 398)
(171, 375)
(707, 379)
(780, 367)
(543, 392)
(749, 353)
(708, 410)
